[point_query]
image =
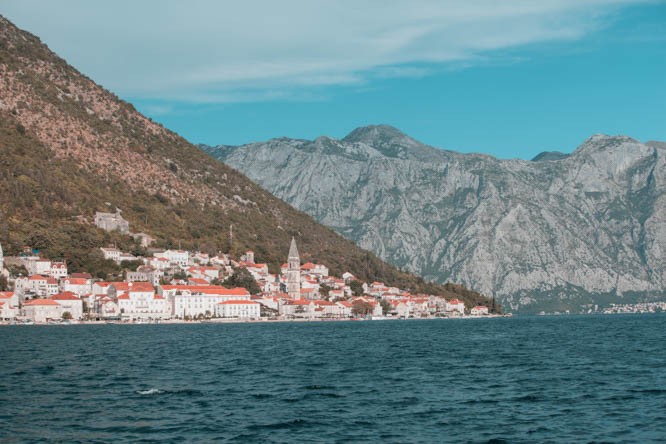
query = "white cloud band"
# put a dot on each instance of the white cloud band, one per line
(221, 51)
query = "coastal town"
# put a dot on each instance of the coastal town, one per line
(175, 285)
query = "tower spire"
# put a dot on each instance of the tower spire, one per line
(293, 250)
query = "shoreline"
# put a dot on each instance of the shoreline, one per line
(238, 321)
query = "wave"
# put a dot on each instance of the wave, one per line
(152, 391)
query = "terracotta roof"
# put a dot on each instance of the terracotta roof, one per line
(35, 302)
(210, 289)
(65, 296)
(244, 302)
(299, 302)
(133, 286)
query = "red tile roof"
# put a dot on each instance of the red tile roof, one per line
(65, 296)
(36, 302)
(244, 302)
(299, 302)
(210, 289)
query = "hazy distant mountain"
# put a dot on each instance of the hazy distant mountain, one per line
(577, 229)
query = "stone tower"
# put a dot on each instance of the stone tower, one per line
(294, 272)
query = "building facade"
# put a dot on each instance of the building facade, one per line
(42, 310)
(242, 309)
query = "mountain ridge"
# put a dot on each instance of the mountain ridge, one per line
(561, 235)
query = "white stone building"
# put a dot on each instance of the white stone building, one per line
(70, 303)
(400, 309)
(38, 266)
(204, 272)
(145, 273)
(138, 300)
(42, 310)
(108, 308)
(479, 310)
(297, 308)
(158, 263)
(244, 309)
(456, 306)
(175, 257)
(8, 305)
(196, 301)
(316, 269)
(112, 254)
(111, 222)
(42, 286)
(58, 270)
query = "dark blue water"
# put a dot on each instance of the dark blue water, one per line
(558, 379)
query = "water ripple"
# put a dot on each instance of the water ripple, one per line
(561, 379)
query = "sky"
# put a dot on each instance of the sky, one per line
(510, 78)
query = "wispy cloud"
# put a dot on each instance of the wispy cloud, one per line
(222, 51)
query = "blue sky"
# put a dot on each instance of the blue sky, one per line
(509, 78)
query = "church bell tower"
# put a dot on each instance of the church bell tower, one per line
(294, 272)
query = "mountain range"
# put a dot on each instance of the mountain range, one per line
(560, 232)
(70, 148)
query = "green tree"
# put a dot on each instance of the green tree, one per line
(67, 316)
(386, 306)
(242, 278)
(356, 287)
(180, 275)
(4, 285)
(17, 270)
(132, 265)
(361, 308)
(324, 289)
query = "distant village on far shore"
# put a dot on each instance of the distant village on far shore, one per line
(179, 286)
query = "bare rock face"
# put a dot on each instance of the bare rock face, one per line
(558, 233)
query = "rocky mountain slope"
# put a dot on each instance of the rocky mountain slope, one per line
(557, 233)
(69, 148)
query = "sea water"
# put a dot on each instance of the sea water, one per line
(531, 379)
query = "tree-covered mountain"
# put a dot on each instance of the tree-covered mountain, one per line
(557, 233)
(69, 148)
